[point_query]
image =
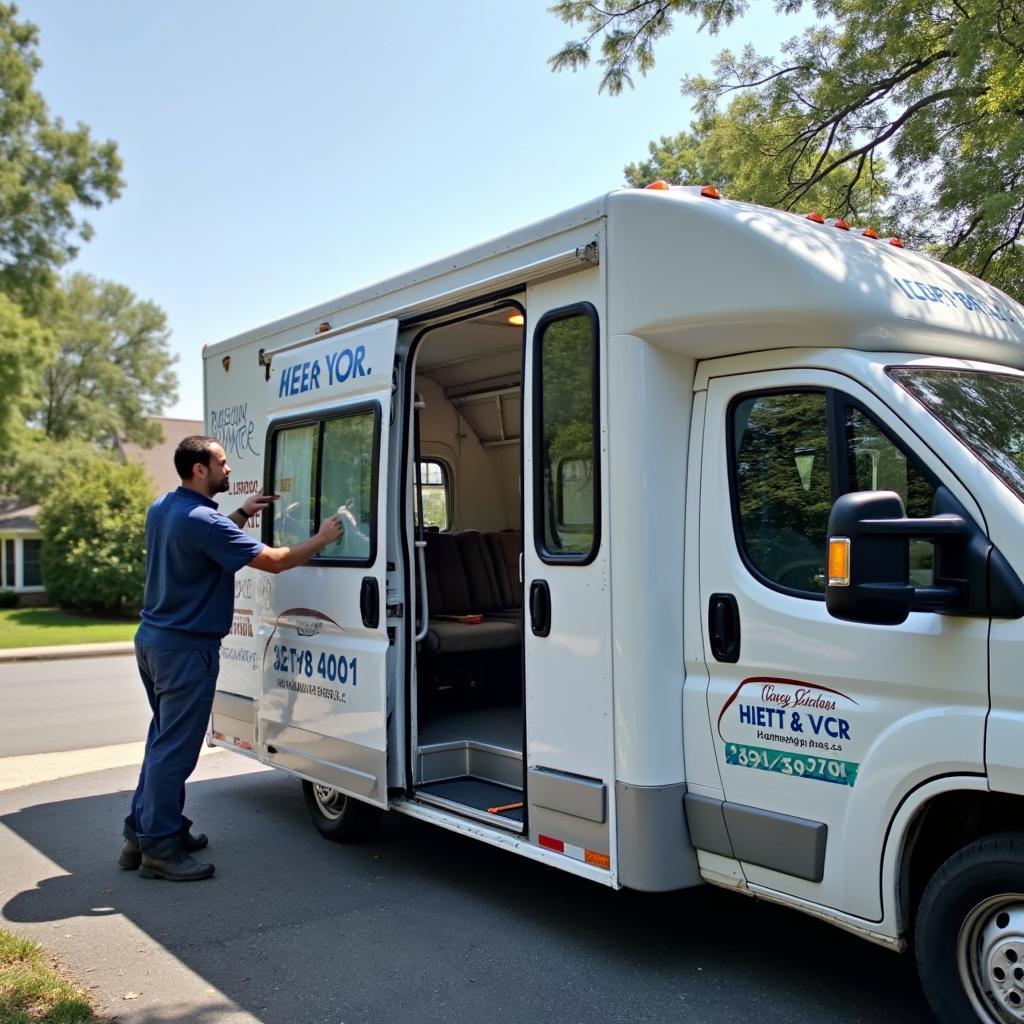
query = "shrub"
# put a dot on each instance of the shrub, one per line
(94, 533)
(8, 599)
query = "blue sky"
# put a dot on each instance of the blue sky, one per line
(279, 155)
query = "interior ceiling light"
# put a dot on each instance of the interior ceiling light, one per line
(516, 319)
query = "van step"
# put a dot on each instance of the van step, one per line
(470, 759)
(478, 799)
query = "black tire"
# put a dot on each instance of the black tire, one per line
(337, 817)
(969, 935)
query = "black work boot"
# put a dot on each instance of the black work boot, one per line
(131, 854)
(170, 861)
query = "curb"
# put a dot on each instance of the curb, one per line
(66, 651)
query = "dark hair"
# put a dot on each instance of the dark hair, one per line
(191, 451)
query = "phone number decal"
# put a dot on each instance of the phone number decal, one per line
(299, 661)
(804, 766)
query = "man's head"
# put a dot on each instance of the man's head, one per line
(202, 464)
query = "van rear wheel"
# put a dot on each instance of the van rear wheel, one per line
(970, 934)
(338, 817)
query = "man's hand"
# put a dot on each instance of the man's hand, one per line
(257, 502)
(331, 530)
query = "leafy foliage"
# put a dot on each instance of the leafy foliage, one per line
(112, 368)
(48, 172)
(94, 533)
(936, 91)
(24, 345)
(38, 464)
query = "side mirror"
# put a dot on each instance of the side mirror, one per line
(869, 562)
(868, 571)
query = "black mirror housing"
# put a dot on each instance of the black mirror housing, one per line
(879, 589)
(971, 576)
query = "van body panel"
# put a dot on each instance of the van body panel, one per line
(325, 700)
(569, 713)
(819, 718)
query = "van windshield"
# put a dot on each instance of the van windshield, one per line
(984, 410)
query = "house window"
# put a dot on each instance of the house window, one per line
(9, 564)
(31, 564)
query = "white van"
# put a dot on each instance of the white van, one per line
(683, 544)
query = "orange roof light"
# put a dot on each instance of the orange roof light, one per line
(869, 233)
(323, 328)
(841, 224)
(710, 192)
(816, 217)
(658, 186)
(897, 243)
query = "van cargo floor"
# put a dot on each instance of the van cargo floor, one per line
(481, 796)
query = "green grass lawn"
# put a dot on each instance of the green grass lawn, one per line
(42, 627)
(32, 992)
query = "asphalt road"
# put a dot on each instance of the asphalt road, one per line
(70, 705)
(419, 925)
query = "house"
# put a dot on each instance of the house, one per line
(20, 547)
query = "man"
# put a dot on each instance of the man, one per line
(192, 554)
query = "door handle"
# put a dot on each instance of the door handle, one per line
(724, 627)
(540, 607)
(369, 602)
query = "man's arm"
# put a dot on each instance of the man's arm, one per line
(275, 560)
(250, 507)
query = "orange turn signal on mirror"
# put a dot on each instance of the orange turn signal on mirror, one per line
(839, 562)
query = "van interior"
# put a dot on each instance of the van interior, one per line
(468, 681)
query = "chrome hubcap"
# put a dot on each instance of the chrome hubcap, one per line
(990, 959)
(330, 802)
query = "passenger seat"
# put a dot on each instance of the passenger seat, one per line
(453, 590)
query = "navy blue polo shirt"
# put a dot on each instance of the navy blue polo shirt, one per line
(192, 554)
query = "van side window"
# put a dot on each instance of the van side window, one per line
(877, 463)
(566, 483)
(323, 468)
(435, 491)
(783, 488)
(348, 485)
(295, 462)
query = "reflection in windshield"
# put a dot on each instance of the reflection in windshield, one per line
(984, 410)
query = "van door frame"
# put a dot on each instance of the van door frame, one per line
(473, 308)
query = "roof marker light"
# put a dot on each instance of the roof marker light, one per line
(897, 243)
(323, 328)
(841, 224)
(710, 192)
(658, 186)
(869, 233)
(816, 217)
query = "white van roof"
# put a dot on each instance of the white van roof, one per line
(719, 276)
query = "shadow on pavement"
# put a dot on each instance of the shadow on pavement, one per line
(424, 925)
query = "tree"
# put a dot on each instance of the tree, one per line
(94, 533)
(728, 150)
(48, 172)
(112, 369)
(24, 346)
(935, 90)
(37, 465)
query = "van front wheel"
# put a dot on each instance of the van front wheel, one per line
(338, 817)
(969, 936)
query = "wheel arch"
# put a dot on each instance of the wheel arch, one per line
(934, 822)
